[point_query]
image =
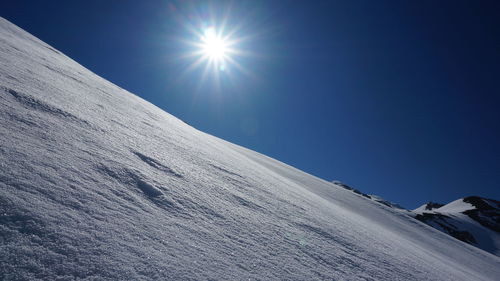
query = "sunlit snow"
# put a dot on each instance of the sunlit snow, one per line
(97, 183)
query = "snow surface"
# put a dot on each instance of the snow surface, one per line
(97, 183)
(454, 207)
(451, 215)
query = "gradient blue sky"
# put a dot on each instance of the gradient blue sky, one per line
(396, 98)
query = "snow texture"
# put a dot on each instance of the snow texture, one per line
(97, 184)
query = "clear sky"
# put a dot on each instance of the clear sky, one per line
(396, 98)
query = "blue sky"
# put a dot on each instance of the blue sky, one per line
(396, 98)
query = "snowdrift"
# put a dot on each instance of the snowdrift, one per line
(97, 183)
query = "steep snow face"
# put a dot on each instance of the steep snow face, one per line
(97, 183)
(473, 219)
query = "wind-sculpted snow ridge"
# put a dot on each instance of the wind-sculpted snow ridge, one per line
(98, 184)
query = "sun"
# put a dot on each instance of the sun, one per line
(213, 46)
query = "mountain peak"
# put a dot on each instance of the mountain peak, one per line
(433, 205)
(482, 203)
(429, 206)
(474, 220)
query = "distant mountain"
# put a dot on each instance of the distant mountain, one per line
(99, 184)
(474, 220)
(429, 206)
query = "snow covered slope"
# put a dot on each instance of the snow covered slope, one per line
(473, 219)
(97, 183)
(375, 198)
